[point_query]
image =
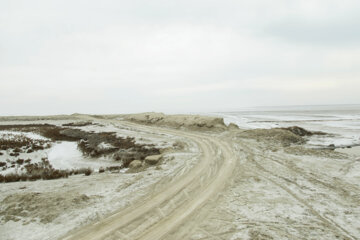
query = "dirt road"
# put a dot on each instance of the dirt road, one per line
(241, 189)
(174, 202)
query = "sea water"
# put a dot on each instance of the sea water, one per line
(341, 121)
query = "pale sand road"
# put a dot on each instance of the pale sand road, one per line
(176, 209)
(195, 188)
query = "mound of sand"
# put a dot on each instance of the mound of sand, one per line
(284, 136)
(302, 132)
(193, 122)
(275, 135)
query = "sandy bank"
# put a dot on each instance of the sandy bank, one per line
(192, 122)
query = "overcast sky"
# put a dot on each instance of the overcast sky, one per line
(115, 56)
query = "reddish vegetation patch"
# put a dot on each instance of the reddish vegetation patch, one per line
(125, 149)
(90, 143)
(46, 130)
(18, 143)
(42, 170)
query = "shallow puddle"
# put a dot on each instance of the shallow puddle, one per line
(61, 155)
(66, 155)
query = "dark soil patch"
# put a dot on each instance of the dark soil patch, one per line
(77, 124)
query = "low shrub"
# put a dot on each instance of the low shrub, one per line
(17, 150)
(88, 172)
(12, 177)
(20, 161)
(85, 171)
(114, 168)
(77, 124)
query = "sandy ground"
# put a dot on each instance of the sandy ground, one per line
(225, 184)
(353, 150)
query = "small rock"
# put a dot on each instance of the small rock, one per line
(332, 146)
(135, 164)
(154, 159)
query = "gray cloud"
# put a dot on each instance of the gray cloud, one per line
(118, 56)
(336, 32)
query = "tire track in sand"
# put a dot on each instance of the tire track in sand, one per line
(112, 225)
